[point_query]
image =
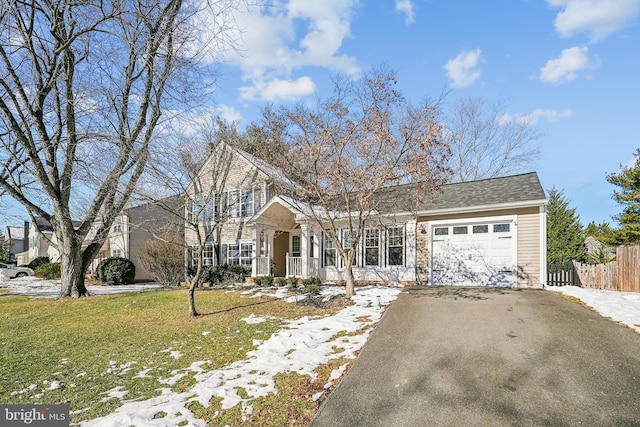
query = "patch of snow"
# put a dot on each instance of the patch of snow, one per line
(115, 393)
(176, 354)
(254, 320)
(205, 333)
(144, 373)
(55, 385)
(299, 347)
(34, 286)
(623, 307)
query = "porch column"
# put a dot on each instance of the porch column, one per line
(304, 249)
(269, 236)
(256, 252)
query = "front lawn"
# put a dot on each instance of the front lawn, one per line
(94, 352)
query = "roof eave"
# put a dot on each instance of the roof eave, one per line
(483, 208)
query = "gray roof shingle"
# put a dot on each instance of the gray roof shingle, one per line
(513, 189)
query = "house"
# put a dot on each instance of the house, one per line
(19, 242)
(126, 238)
(135, 226)
(483, 233)
(40, 241)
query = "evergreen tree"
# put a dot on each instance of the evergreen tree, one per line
(628, 195)
(565, 234)
(5, 248)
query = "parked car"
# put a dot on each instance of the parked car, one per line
(12, 271)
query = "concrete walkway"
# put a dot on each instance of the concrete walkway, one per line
(490, 357)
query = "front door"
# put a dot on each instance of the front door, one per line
(280, 249)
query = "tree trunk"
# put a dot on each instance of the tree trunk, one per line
(348, 277)
(192, 290)
(72, 270)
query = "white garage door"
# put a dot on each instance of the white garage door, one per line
(474, 253)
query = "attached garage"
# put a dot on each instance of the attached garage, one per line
(475, 252)
(483, 233)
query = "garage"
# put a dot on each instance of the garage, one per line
(474, 252)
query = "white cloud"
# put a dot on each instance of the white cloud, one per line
(597, 18)
(535, 116)
(565, 68)
(228, 114)
(462, 70)
(277, 40)
(278, 89)
(406, 7)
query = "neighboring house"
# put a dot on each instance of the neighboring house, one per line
(128, 233)
(40, 241)
(133, 227)
(482, 233)
(19, 243)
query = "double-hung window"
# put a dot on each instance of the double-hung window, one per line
(243, 203)
(117, 226)
(233, 203)
(208, 254)
(372, 246)
(296, 246)
(395, 245)
(329, 248)
(240, 254)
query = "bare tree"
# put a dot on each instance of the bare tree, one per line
(345, 153)
(190, 169)
(163, 258)
(83, 86)
(487, 143)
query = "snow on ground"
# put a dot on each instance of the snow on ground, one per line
(623, 307)
(33, 286)
(300, 347)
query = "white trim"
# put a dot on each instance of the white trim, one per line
(543, 244)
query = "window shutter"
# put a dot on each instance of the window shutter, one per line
(223, 254)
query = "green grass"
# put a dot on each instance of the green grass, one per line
(88, 343)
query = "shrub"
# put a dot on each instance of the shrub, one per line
(263, 280)
(164, 260)
(280, 281)
(116, 271)
(37, 262)
(48, 270)
(292, 281)
(312, 285)
(223, 274)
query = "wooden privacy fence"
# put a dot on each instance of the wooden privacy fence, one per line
(599, 276)
(623, 274)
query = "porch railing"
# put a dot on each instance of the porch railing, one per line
(263, 266)
(294, 266)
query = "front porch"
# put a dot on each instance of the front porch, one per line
(284, 247)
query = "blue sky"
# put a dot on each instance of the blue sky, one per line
(571, 66)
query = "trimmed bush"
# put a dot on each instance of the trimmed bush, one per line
(116, 271)
(37, 262)
(223, 274)
(312, 285)
(263, 280)
(48, 270)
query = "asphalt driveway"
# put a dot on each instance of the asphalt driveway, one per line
(490, 357)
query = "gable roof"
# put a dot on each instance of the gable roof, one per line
(515, 190)
(272, 172)
(15, 233)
